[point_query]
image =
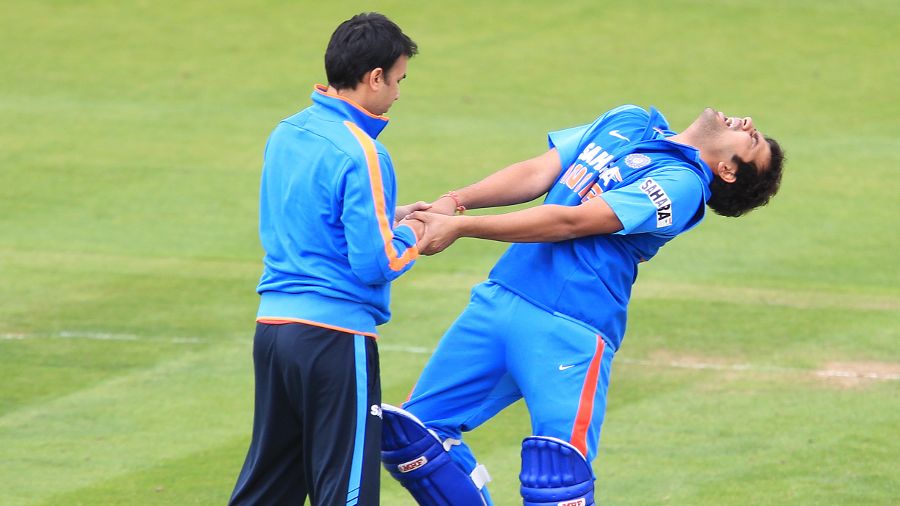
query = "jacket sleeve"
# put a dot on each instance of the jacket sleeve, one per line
(378, 252)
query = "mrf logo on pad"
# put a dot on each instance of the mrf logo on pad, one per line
(412, 465)
(576, 502)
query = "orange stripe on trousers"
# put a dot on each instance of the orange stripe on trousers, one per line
(586, 403)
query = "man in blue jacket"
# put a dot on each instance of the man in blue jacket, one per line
(547, 323)
(332, 242)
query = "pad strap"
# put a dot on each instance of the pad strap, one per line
(480, 476)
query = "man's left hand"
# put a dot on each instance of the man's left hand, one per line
(401, 212)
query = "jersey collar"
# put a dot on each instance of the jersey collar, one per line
(658, 128)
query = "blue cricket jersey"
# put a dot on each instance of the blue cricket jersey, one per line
(656, 187)
(326, 217)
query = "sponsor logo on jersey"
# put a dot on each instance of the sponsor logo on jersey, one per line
(637, 160)
(564, 367)
(375, 410)
(658, 196)
(595, 156)
(581, 177)
(576, 502)
(412, 465)
(587, 183)
(609, 175)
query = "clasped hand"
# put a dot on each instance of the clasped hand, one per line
(435, 226)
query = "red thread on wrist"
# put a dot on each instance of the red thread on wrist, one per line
(460, 209)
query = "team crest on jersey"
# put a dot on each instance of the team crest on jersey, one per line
(637, 160)
(658, 196)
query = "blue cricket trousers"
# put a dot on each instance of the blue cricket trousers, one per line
(503, 348)
(316, 419)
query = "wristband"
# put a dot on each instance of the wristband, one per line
(460, 209)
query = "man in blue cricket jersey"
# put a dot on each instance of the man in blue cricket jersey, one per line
(547, 323)
(333, 244)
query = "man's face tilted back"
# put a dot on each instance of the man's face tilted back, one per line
(720, 138)
(746, 166)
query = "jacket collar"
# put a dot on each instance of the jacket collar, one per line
(346, 109)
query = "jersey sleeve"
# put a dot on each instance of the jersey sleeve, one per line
(665, 202)
(623, 119)
(568, 142)
(378, 252)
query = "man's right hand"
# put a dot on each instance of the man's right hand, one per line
(440, 231)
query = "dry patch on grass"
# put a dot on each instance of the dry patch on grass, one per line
(857, 374)
(800, 299)
(840, 374)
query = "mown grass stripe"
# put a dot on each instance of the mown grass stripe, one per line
(127, 423)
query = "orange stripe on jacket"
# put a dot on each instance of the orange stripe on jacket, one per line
(586, 404)
(384, 226)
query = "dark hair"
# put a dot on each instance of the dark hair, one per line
(752, 188)
(362, 43)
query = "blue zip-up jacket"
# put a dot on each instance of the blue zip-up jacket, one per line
(326, 214)
(656, 187)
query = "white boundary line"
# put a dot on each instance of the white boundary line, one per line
(97, 336)
(415, 350)
(420, 350)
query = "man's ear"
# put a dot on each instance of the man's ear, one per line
(374, 78)
(727, 171)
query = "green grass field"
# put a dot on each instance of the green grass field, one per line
(761, 365)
